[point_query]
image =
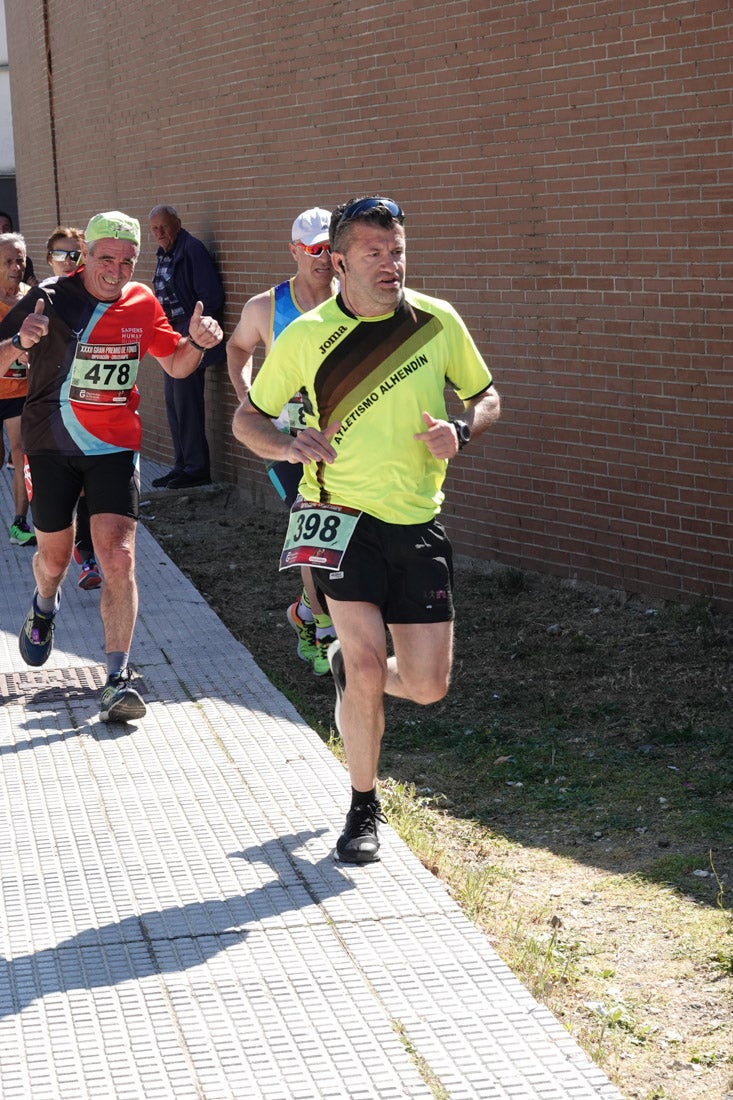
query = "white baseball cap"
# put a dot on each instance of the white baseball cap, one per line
(311, 227)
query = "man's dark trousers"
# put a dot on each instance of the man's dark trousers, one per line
(184, 405)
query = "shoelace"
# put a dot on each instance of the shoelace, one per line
(121, 679)
(362, 818)
(40, 622)
(36, 637)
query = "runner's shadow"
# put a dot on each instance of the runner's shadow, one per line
(101, 731)
(173, 939)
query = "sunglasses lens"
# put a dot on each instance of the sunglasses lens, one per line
(60, 254)
(314, 249)
(365, 205)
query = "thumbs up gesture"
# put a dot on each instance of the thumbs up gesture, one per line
(204, 332)
(35, 326)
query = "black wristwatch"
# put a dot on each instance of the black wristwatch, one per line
(15, 341)
(463, 432)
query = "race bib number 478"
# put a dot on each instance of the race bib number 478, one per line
(104, 374)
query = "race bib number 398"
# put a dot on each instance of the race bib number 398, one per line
(104, 374)
(318, 535)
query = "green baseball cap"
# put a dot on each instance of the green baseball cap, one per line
(119, 226)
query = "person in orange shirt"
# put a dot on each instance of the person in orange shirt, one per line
(14, 385)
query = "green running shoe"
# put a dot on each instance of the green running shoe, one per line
(307, 647)
(21, 534)
(320, 663)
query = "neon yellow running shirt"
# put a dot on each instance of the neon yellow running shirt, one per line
(376, 376)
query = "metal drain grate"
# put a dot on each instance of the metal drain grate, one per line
(51, 684)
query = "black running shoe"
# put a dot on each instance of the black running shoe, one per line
(358, 842)
(336, 661)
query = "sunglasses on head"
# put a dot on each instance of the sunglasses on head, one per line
(363, 206)
(61, 254)
(314, 249)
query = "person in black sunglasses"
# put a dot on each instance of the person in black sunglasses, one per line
(14, 385)
(373, 365)
(64, 248)
(63, 253)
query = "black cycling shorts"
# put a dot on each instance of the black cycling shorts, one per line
(111, 483)
(10, 408)
(405, 570)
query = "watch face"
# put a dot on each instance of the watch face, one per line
(463, 433)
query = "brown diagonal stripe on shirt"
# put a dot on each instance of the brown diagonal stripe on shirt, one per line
(368, 355)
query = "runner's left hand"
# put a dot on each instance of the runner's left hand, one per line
(440, 438)
(204, 330)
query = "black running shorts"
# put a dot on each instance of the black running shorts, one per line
(10, 408)
(406, 571)
(111, 483)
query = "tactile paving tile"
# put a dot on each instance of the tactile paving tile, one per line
(173, 923)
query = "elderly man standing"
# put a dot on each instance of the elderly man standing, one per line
(84, 337)
(185, 274)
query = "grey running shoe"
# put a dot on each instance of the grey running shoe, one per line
(336, 661)
(120, 702)
(358, 842)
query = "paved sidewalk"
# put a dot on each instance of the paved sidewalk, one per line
(173, 922)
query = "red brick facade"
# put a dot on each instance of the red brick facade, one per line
(566, 170)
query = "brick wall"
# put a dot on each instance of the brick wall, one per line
(566, 170)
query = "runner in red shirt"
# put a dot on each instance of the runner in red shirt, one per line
(85, 335)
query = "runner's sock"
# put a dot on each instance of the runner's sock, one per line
(360, 798)
(324, 627)
(304, 608)
(46, 605)
(116, 663)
